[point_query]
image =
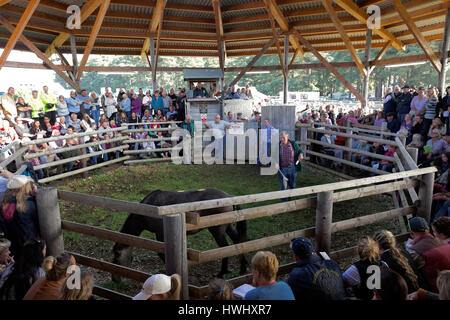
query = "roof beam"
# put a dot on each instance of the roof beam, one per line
(362, 16)
(157, 17)
(380, 55)
(17, 32)
(251, 63)
(219, 32)
(273, 8)
(277, 43)
(329, 67)
(94, 32)
(3, 2)
(40, 54)
(345, 38)
(418, 35)
(88, 8)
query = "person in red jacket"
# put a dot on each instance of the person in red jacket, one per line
(430, 255)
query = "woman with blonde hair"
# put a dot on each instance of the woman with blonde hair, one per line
(437, 124)
(357, 274)
(160, 287)
(56, 271)
(435, 146)
(395, 260)
(84, 292)
(18, 212)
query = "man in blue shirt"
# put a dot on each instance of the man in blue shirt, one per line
(264, 269)
(157, 102)
(72, 103)
(85, 104)
(314, 278)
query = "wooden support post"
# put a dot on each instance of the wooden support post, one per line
(73, 50)
(444, 54)
(414, 153)
(286, 73)
(153, 60)
(366, 80)
(324, 216)
(425, 196)
(175, 249)
(348, 144)
(50, 220)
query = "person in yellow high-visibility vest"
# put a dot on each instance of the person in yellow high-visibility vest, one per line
(50, 104)
(37, 111)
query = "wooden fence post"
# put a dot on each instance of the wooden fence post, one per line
(348, 144)
(425, 196)
(50, 220)
(324, 216)
(176, 249)
(414, 153)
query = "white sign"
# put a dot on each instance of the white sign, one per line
(236, 128)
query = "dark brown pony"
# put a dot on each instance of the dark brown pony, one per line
(135, 224)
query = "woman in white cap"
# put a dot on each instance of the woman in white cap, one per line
(160, 287)
(18, 212)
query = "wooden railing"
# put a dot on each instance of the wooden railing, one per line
(181, 217)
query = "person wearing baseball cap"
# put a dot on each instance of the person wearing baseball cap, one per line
(160, 287)
(314, 277)
(429, 254)
(18, 213)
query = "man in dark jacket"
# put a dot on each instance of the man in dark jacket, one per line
(314, 278)
(393, 124)
(418, 127)
(404, 104)
(390, 101)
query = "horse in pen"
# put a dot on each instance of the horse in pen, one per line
(135, 224)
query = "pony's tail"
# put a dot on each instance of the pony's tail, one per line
(241, 226)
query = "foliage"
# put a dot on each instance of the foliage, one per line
(321, 80)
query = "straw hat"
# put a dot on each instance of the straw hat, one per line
(17, 182)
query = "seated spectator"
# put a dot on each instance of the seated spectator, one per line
(264, 269)
(160, 287)
(407, 124)
(5, 258)
(23, 109)
(380, 119)
(84, 292)
(385, 164)
(443, 285)
(25, 271)
(419, 127)
(393, 124)
(56, 272)
(441, 229)
(356, 276)
(74, 122)
(313, 277)
(358, 157)
(18, 216)
(148, 146)
(396, 260)
(436, 124)
(219, 289)
(434, 147)
(171, 115)
(393, 286)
